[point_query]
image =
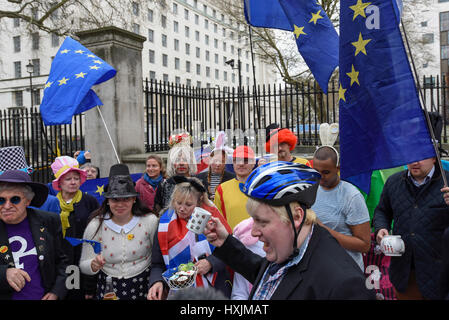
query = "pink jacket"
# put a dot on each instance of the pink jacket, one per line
(146, 193)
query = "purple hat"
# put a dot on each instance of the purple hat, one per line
(22, 178)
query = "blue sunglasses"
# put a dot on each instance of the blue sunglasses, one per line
(13, 200)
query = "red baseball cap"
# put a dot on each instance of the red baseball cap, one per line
(244, 152)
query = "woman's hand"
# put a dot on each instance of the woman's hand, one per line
(215, 232)
(156, 291)
(17, 278)
(203, 266)
(97, 263)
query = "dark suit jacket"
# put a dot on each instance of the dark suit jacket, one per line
(47, 236)
(325, 272)
(444, 282)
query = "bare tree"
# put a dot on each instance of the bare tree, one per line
(66, 17)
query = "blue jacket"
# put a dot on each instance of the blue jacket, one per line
(420, 217)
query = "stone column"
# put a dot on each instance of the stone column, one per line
(122, 97)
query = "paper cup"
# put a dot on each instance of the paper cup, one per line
(198, 221)
(392, 246)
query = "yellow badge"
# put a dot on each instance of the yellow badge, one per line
(130, 236)
(3, 249)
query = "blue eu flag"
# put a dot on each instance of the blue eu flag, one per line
(315, 35)
(68, 92)
(382, 124)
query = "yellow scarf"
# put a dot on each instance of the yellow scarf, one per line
(66, 209)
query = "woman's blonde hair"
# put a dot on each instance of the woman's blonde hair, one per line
(185, 190)
(252, 205)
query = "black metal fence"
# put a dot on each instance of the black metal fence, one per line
(42, 144)
(202, 112)
(301, 108)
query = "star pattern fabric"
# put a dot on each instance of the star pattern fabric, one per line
(68, 92)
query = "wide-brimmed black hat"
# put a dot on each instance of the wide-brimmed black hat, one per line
(22, 178)
(120, 185)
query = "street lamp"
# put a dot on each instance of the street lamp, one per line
(30, 70)
(239, 67)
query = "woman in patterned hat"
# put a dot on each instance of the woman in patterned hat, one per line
(125, 228)
(76, 207)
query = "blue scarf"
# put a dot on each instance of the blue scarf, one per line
(152, 182)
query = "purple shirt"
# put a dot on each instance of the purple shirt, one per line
(25, 258)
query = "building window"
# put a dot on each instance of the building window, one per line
(198, 84)
(186, 14)
(178, 80)
(164, 21)
(207, 55)
(216, 43)
(206, 39)
(198, 69)
(444, 21)
(444, 52)
(36, 97)
(151, 52)
(207, 72)
(16, 22)
(150, 15)
(54, 40)
(18, 69)
(36, 67)
(177, 63)
(175, 26)
(197, 35)
(204, 9)
(224, 46)
(195, 3)
(225, 76)
(164, 40)
(216, 58)
(135, 8)
(232, 49)
(152, 75)
(187, 49)
(176, 44)
(197, 51)
(136, 28)
(215, 28)
(424, 24)
(150, 35)
(206, 24)
(164, 60)
(35, 40)
(187, 31)
(217, 74)
(18, 98)
(189, 82)
(175, 8)
(427, 38)
(214, 13)
(197, 19)
(188, 66)
(165, 77)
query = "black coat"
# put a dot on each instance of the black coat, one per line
(47, 235)
(420, 217)
(203, 176)
(325, 272)
(444, 283)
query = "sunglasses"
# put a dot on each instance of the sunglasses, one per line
(13, 200)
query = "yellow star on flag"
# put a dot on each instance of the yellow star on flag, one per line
(47, 85)
(100, 189)
(80, 75)
(315, 17)
(79, 51)
(354, 75)
(298, 31)
(359, 9)
(94, 67)
(65, 51)
(98, 61)
(360, 44)
(63, 81)
(91, 56)
(341, 93)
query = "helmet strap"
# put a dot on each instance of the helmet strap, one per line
(296, 232)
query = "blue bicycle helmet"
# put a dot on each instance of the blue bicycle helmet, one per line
(279, 183)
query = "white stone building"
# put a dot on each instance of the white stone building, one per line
(188, 42)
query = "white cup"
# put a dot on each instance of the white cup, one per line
(392, 246)
(198, 220)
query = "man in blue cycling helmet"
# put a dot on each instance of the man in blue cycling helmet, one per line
(303, 260)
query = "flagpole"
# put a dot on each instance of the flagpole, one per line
(109, 135)
(256, 99)
(426, 113)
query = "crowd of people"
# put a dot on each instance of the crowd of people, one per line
(281, 227)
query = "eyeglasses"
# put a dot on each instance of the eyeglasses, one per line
(13, 200)
(120, 199)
